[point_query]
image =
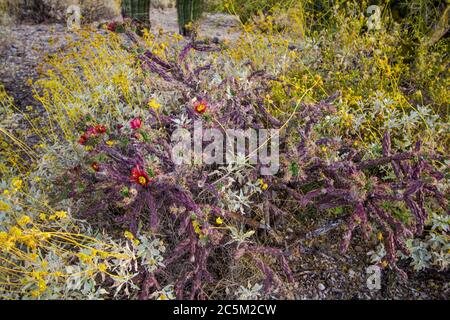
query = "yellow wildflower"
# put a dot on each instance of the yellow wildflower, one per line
(35, 294)
(128, 235)
(102, 267)
(15, 232)
(379, 236)
(42, 285)
(3, 236)
(24, 221)
(264, 186)
(17, 183)
(34, 256)
(84, 257)
(103, 255)
(109, 143)
(61, 214)
(43, 216)
(30, 243)
(177, 37)
(145, 33)
(219, 220)
(196, 226)
(45, 235)
(4, 206)
(154, 104)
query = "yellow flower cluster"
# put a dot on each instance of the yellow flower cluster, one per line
(58, 215)
(4, 206)
(154, 104)
(16, 183)
(264, 186)
(197, 228)
(130, 236)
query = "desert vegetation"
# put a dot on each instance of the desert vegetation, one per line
(94, 205)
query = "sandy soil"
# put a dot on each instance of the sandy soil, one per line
(221, 26)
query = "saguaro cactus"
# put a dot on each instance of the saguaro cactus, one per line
(188, 11)
(138, 10)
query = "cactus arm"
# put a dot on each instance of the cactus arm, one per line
(188, 11)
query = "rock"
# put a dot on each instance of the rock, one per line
(321, 287)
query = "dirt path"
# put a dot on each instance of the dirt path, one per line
(22, 51)
(221, 26)
(23, 47)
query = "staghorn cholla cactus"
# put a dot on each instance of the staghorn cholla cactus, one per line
(188, 11)
(138, 10)
(139, 185)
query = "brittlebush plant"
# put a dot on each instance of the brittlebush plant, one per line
(48, 254)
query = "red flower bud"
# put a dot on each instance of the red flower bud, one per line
(95, 166)
(136, 123)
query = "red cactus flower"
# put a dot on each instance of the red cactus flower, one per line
(136, 123)
(112, 26)
(139, 176)
(100, 129)
(201, 106)
(83, 139)
(91, 132)
(95, 166)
